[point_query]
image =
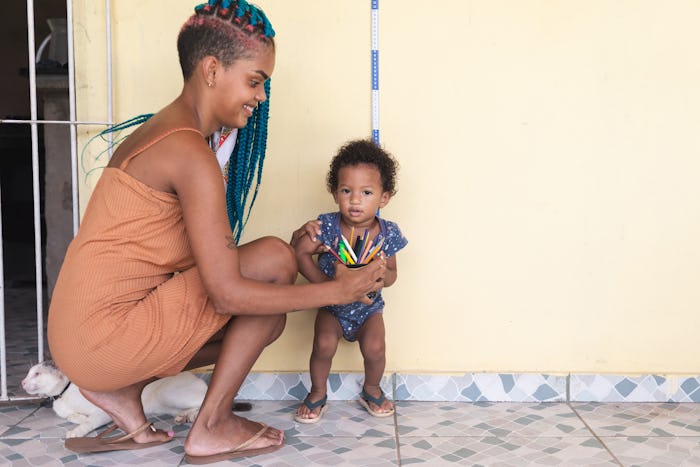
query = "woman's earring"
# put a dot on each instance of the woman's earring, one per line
(210, 84)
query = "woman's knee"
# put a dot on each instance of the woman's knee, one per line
(275, 259)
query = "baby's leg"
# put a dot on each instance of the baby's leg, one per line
(327, 333)
(371, 337)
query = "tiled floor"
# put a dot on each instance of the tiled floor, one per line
(21, 335)
(429, 433)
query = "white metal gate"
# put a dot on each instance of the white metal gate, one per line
(33, 124)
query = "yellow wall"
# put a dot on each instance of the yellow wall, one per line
(548, 158)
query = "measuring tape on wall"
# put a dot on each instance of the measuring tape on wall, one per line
(375, 72)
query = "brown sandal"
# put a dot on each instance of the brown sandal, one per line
(114, 443)
(238, 451)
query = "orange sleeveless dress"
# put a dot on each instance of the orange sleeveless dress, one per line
(119, 313)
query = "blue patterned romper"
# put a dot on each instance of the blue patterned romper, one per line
(353, 315)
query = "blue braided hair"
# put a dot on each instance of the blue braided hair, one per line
(246, 161)
(245, 167)
(116, 129)
(240, 12)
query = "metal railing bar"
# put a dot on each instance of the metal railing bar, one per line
(3, 344)
(73, 127)
(53, 122)
(38, 267)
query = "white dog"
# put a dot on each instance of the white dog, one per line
(180, 396)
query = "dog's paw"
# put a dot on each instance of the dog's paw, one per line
(77, 418)
(78, 431)
(187, 416)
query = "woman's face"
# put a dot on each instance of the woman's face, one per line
(241, 87)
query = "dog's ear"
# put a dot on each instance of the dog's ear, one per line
(50, 364)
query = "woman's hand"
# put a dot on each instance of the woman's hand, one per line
(312, 229)
(358, 282)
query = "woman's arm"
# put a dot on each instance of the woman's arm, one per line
(196, 179)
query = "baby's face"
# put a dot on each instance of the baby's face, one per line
(360, 194)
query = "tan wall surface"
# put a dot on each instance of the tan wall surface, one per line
(548, 158)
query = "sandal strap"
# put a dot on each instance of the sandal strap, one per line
(253, 439)
(312, 405)
(140, 429)
(378, 401)
(107, 431)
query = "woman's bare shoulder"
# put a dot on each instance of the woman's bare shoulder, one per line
(157, 132)
(164, 151)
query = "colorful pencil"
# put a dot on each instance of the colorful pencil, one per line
(375, 250)
(366, 250)
(344, 253)
(330, 250)
(343, 256)
(349, 248)
(361, 242)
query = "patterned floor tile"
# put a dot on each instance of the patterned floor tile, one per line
(326, 450)
(12, 415)
(50, 451)
(425, 419)
(655, 451)
(515, 451)
(635, 419)
(33, 452)
(21, 336)
(44, 423)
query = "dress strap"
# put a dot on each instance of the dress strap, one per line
(158, 138)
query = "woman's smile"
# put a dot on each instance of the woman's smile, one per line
(249, 109)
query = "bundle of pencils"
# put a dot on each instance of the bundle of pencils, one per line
(363, 252)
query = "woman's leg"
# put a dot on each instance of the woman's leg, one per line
(371, 337)
(327, 333)
(125, 409)
(216, 428)
(267, 259)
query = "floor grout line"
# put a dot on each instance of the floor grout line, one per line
(600, 440)
(396, 420)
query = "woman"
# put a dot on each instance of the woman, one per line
(154, 283)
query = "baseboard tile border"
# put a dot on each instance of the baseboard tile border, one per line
(482, 387)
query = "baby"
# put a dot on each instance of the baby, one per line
(362, 180)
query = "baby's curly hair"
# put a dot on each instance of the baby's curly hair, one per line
(363, 151)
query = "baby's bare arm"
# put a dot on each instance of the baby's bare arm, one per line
(391, 271)
(305, 249)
